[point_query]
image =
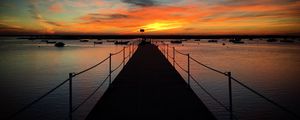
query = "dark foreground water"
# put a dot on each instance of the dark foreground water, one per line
(27, 71)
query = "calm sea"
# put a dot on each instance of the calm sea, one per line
(28, 69)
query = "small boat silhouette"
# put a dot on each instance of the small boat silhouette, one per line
(59, 44)
(84, 40)
(121, 42)
(98, 42)
(176, 41)
(236, 41)
(272, 40)
(213, 41)
(50, 42)
(287, 41)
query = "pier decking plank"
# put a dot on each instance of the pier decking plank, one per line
(149, 88)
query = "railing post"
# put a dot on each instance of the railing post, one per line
(168, 51)
(189, 70)
(129, 50)
(70, 95)
(164, 48)
(174, 57)
(110, 69)
(230, 94)
(131, 47)
(123, 56)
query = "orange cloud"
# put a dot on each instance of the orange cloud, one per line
(190, 17)
(56, 7)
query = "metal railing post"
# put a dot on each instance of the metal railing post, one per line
(70, 95)
(123, 56)
(168, 51)
(110, 69)
(230, 95)
(164, 49)
(129, 50)
(189, 70)
(174, 57)
(132, 49)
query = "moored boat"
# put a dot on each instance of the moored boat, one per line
(97, 42)
(237, 41)
(272, 40)
(176, 41)
(84, 40)
(215, 41)
(287, 41)
(50, 42)
(121, 42)
(59, 44)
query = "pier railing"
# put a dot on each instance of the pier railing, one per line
(126, 52)
(166, 49)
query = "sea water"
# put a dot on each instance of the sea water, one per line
(28, 69)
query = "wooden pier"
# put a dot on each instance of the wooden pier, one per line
(149, 87)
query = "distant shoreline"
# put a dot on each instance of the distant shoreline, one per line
(149, 36)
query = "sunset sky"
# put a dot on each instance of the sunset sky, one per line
(155, 16)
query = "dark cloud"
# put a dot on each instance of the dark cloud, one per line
(188, 29)
(142, 3)
(242, 15)
(9, 27)
(108, 16)
(247, 2)
(97, 17)
(53, 23)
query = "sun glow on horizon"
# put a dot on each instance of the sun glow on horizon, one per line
(162, 25)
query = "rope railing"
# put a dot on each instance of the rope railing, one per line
(230, 78)
(180, 52)
(127, 56)
(267, 99)
(131, 50)
(170, 56)
(218, 71)
(181, 67)
(83, 71)
(102, 81)
(117, 67)
(87, 98)
(37, 100)
(210, 95)
(215, 99)
(198, 84)
(117, 52)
